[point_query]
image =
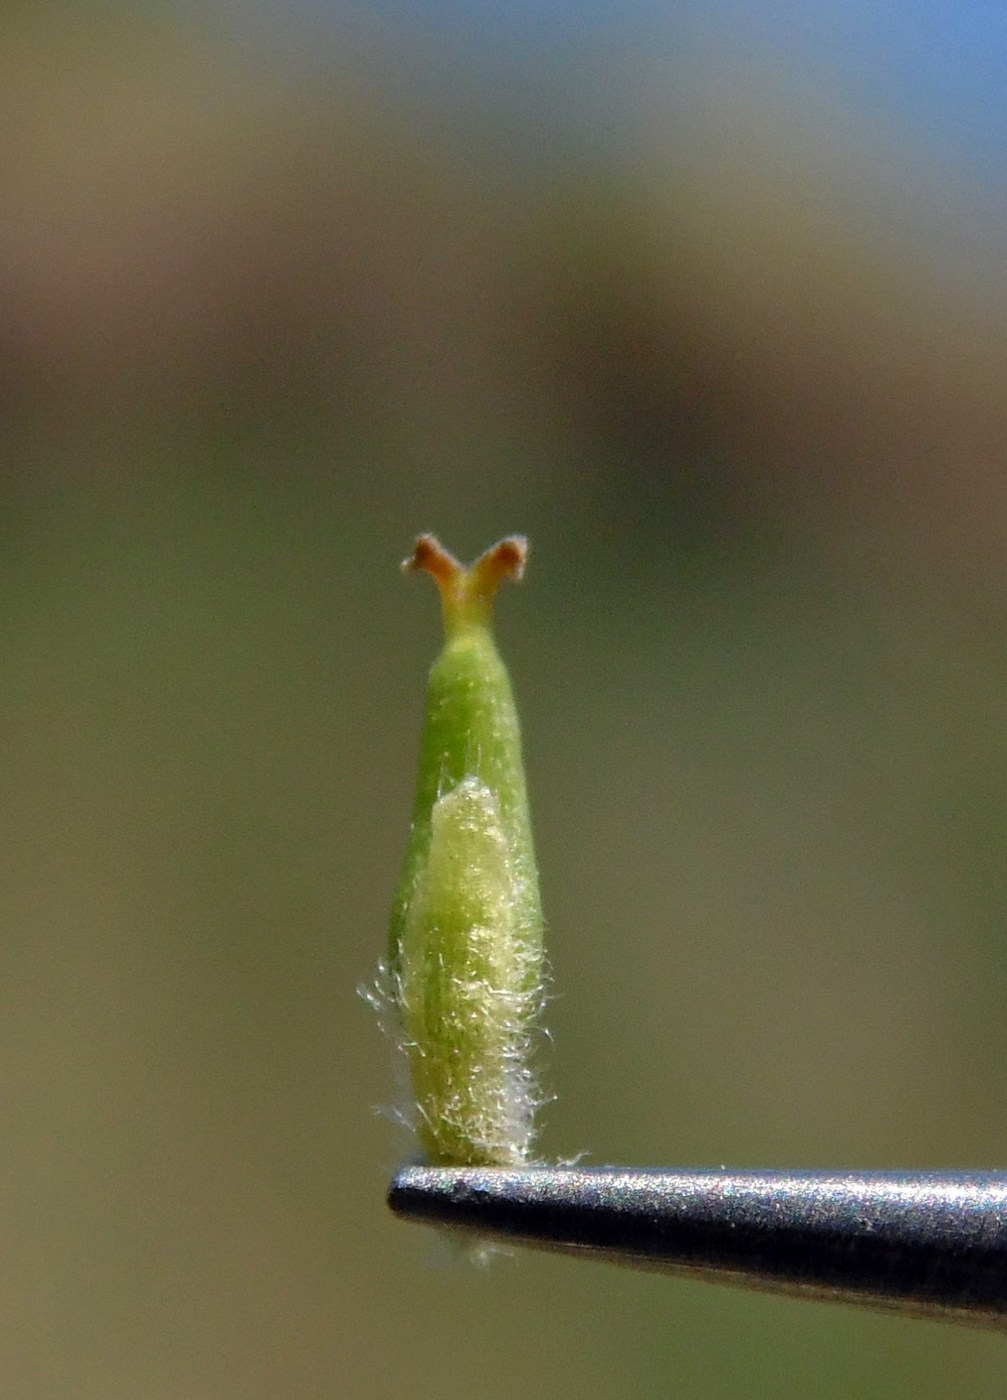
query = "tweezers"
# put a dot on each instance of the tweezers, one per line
(924, 1244)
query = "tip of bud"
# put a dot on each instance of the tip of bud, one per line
(467, 592)
(506, 559)
(430, 557)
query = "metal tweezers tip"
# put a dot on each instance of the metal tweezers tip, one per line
(929, 1244)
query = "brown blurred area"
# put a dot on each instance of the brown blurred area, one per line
(740, 377)
(203, 231)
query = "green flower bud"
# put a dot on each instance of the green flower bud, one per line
(466, 928)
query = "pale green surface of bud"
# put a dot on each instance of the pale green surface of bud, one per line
(466, 930)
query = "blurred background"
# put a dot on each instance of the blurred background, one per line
(710, 301)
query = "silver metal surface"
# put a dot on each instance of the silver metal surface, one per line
(932, 1244)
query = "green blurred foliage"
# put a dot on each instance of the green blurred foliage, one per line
(259, 329)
